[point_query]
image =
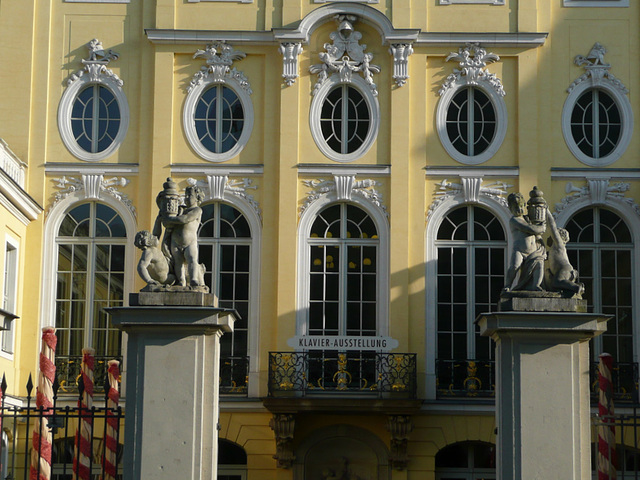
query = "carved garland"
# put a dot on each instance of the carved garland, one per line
(598, 191)
(215, 187)
(345, 56)
(345, 186)
(471, 189)
(93, 187)
(472, 62)
(219, 57)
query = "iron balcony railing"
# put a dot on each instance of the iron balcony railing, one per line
(624, 377)
(328, 372)
(69, 369)
(465, 378)
(234, 375)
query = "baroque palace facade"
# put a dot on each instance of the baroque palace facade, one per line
(356, 158)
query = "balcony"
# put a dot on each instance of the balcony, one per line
(624, 379)
(465, 378)
(329, 373)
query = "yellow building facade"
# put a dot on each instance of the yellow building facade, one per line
(355, 159)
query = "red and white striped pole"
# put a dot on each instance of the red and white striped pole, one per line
(607, 456)
(84, 450)
(111, 432)
(40, 468)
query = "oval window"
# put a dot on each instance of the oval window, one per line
(219, 119)
(95, 119)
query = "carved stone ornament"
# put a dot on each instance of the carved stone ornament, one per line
(598, 191)
(344, 186)
(399, 426)
(93, 187)
(219, 57)
(283, 425)
(596, 69)
(472, 61)
(401, 53)
(290, 52)
(345, 56)
(215, 186)
(96, 64)
(471, 188)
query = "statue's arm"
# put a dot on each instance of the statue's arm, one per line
(554, 228)
(526, 227)
(184, 218)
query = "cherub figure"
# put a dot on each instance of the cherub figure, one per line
(153, 266)
(184, 238)
(560, 275)
(527, 258)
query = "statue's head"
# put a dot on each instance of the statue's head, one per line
(196, 191)
(563, 234)
(516, 204)
(145, 239)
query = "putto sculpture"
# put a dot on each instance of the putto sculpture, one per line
(529, 277)
(172, 263)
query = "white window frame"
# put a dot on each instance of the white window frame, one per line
(97, 1)
(500, 109)
(595, 3)
(304, 258)
(626, 114)
(431, 261)
(316, 109)
(188, 118)
(66, 106)
(10, 294)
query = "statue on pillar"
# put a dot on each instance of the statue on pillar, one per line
(180, 270)
(538, 287)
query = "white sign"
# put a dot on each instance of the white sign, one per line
(318, 342)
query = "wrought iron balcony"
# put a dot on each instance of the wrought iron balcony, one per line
(383, 375)
(234, 375)
(625, 382)
(465, 378)
(69, 368)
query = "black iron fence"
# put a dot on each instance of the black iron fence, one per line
(465, 378)
(24, 446)
(321, 372)
(626, 452)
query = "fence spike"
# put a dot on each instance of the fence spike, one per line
(3, 385)
(29, 386)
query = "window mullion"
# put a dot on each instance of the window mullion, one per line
(345, 119)
(95, 116)
(470, 118)
(596, 124)
(219, 110)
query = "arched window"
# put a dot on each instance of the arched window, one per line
(232, 461)
(343, 272)
(601, 249)
(91, 243)
(470, 247)
(225, 249)
(466, 461)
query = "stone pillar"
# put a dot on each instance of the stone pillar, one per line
(542, 392)
(172, 390)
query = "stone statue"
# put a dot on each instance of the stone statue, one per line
(560, 275)
(529, 286)
(179, 244)
(153, 267)
(527, 259)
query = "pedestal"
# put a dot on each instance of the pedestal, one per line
(172, 387)
(542, 392)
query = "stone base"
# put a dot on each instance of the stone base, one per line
(529, 301)
(187, 298)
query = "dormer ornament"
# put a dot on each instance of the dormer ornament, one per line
(472, 69)
(96, 64)
(219, 57)
(345, 56)
(596, 69)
